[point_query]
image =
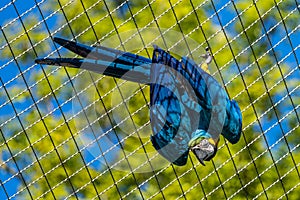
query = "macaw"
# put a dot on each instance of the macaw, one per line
(188, 107)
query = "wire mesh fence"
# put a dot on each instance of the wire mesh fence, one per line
(74, 134)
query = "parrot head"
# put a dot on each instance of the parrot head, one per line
(204, 148)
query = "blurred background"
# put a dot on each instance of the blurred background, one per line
(73, 134)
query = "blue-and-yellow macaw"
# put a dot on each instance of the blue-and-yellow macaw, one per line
(189, 109)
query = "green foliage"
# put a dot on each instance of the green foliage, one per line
(53, 139)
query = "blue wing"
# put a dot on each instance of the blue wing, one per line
(170, 117)
(178, 117)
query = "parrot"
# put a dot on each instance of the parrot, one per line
(189, 109)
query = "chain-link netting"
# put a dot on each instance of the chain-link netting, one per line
(74, 134)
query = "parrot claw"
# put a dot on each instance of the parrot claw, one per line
(207, 56)
(204, 151)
